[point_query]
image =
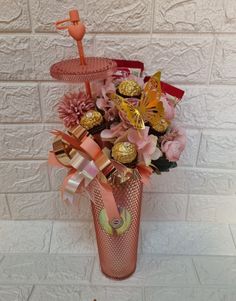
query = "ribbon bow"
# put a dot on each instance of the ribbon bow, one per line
(86, 161)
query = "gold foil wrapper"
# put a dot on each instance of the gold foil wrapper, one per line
(91, 119)
(124, 152)
(129, 88)
(162, 126)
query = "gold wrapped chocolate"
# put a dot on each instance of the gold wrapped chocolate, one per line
(162, 126)
(124, 152)
(129, 88)
(91, 119)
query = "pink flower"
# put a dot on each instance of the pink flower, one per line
(105, 104)
(108, 107)
(168, 107)
(73, 106)
(146, 144)
(173, 144)
(117, 132)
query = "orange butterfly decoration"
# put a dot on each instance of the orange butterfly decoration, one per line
(150, 108)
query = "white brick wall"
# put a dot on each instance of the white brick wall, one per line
(192, 42)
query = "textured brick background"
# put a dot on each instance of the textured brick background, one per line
(188, 235)
(192, 42)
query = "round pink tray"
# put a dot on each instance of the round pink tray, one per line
(96, 68)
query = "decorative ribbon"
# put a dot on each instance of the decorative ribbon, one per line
(127, 67)
(86, 161)
(145, 172)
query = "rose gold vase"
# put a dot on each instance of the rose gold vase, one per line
(118, 253)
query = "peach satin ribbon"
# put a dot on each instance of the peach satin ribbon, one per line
(87, 162)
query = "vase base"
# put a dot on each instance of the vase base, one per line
(118, 278)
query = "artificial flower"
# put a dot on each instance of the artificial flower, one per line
(108, 107)
(169, 108)
(146, 144)
(73, 106)
(105, 104)
(173, 143)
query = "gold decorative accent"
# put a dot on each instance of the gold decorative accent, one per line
(63, 151)
(131, 112)
(150, 108)
(91, 119)
(162, 126)
(129, 88)
(119, 227)
(124, 152)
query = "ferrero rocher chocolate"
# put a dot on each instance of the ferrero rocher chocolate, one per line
(124, 152)
(91, 119)
(129, 88)
(162, 126)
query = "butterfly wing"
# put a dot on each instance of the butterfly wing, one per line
(130, 111)
(150, 106)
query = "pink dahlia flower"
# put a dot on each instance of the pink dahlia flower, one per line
(73, 106)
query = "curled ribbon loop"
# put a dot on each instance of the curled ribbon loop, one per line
(85, 159)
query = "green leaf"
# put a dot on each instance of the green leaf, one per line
(162, 165)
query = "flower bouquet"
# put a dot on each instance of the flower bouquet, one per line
(113, 142)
